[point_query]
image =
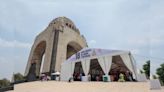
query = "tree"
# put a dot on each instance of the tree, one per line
(146, 68)
(141, 71)
(155, 77)
(18, 77)
(4, 83)
(160, 73)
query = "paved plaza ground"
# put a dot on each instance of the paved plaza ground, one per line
(54, 86)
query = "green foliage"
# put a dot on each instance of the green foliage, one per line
(160, 72)
(146, 68)
(18, 77)
(141, 71)
(4, 83)
(155, 77)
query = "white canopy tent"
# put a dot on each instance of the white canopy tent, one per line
(104, 58)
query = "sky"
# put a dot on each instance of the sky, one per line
(133, 25)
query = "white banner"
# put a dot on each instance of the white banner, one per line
(90, 52)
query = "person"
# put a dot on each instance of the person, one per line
(45, 77)
(112, 77)
(89, 77)
(121, 77)
(48, 78)
(80, 76)
(117, 75)
(129, 76)
(41, 77)
(70, 79)
(101, 76)
(97, 78)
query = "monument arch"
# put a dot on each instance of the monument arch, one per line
(57, 42)
(72, 48)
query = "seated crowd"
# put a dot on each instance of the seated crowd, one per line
(114, 76)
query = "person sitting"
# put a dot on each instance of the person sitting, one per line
(44, 77)
(121, 77)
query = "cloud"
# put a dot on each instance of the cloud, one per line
(13, 44)
(92, 43)
(135, 51)
(6, 67)
(157, 39)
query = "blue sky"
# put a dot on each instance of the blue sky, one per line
(135, 25)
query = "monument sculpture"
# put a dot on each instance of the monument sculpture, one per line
(54, 45)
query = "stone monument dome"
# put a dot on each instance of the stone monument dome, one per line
(64, 21)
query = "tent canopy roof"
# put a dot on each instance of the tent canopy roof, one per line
(86, 53)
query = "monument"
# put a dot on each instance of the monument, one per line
(54, 45)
